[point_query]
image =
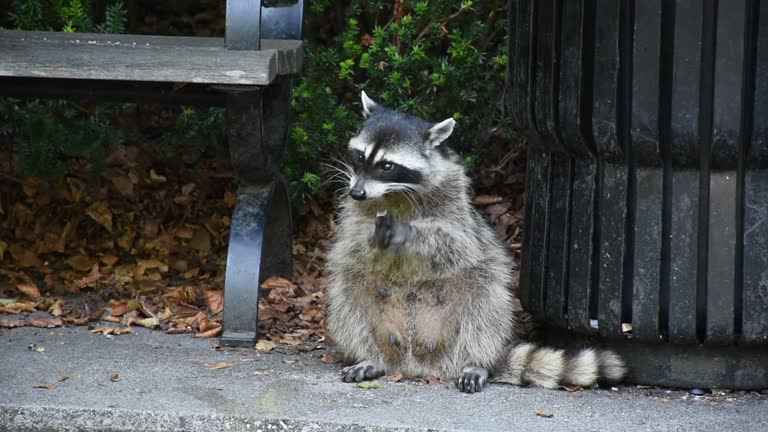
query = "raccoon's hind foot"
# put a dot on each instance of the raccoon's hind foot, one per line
(390, 232)
(472, 379)
(364, 370)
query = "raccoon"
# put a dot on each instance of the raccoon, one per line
(420, 284)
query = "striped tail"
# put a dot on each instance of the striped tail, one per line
(551, 368)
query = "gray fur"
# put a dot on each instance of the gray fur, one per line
(447, 275)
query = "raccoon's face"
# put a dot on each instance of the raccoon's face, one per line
(395, 153)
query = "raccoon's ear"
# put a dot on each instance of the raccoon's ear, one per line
(440, 132)
(369, 106)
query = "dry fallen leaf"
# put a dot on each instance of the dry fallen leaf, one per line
(265, 345)
(11, 321)
(221, 365)
(276, 282)
(123, 185)
(130, 318)
(431, 379)
(214, 300)
(329, 358)
(55, 308)
(109, 259)
(62, 377)
(545, 414)
(184, 233)
(118, 307)
(100, 212)
(44, 320)
(25, 257)
(213, 332)
(167, 314)
(107, 330)
(81, 263)
(143, 265)
(149, 323)
(230, 199)
(117, 376)
(201, 240)
(30, 290)
(21, 306)
(487, 199)
(77, 188)
(393, 378)
(92, 277)
(122, 330)
(155, 177)
(46, 386)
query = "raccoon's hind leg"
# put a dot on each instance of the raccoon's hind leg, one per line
(472, 379)
(350, 321)
(364, 370)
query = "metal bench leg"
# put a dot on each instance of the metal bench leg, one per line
(260, 242)
(259, 247)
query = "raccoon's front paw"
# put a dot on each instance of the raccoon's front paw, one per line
(472, 379)
(364, 370)
(390, 232)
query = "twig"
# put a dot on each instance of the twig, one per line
(441, 21)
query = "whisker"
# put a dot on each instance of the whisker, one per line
(335, 174)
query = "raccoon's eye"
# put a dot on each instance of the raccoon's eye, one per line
(360, 158)
(387, 166)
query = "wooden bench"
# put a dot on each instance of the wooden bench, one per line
(249, 72)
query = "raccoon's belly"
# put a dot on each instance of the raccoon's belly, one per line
(414, 331)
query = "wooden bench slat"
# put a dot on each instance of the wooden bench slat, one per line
(143, 58)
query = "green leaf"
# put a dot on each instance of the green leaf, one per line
(369, 385)
(311, 180)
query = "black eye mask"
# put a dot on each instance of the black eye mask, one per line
(384, 171)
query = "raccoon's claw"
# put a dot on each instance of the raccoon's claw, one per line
(389, 231)
(383, 233)
(472, 379)
(362, 371)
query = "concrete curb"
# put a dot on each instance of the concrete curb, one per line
(172, 383)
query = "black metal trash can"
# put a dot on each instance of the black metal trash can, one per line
(646, 224)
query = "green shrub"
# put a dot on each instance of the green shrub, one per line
(45, 133)
(433, 59)
(196, 129)
(65, 15)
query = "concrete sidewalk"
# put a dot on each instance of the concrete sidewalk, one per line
(166, 383)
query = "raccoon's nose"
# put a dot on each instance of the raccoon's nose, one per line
(357, 194)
